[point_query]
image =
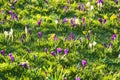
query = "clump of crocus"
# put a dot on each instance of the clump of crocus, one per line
(84, 62)
(65, 20)
(92, 44)
(23, 64)
(74, 21)
(59, 50)
(99, 3)
(66, 51)
(53, 53)
(9, 34)
(11, 57)
(102, 21)
(113, 37)
(39, 22)
(77, 78)
(81, 7)
(2, 52)
(39, 34)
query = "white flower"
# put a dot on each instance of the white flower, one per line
(92, 7)
(88, 4)
(90, 45)
(99, 4)
(77, 21)
(56, 21)
(26, 31)
(11, 32)
(94, 43)
(119, 56)
(6, 33)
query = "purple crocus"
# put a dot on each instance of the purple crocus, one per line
(10, 12)
(2, 52)
(55, 37)
(59, 50)
(99, 1)
(77, 78)
(45, 50)
(39, 34)
(72, 21)
(83, 20)
(113, 37)
(64, 20)
(53, 53)
(66, 51)
(71, 36)
(84, 63)
(100, 20)
(39, 22)
(24, 64)
(11, 57)
(116, 1)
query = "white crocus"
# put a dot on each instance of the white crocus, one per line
(94, 43)
(77, 21)
(119, 56)
(6, 34)
(99, 5)
(92, 7)
(88, 4)
(11, 34)
(90, 45)
(26, 31)
(56, 21)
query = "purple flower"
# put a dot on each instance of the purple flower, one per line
(28, 50)
(104, 45)
(83, 20)
(71, 36)
(59, 50)
(79, 6)
(65, 20)
(55, 37)
(10, 12)
(2, 52)
(116, 1)
(14, 1)
(24, 64)
(3, 11)
(16, 17)
(84, 63)
(72, 21)
(66, 51)
(39, 22)
(88, 37)
(53, 53)
(46, 1)
(110, 45)
(100, 20)
(104, 21)
(77, 78)
(39, 34)
(11, 57)
(113, 37)
(29, 31)
(99, 1)
(46, 50)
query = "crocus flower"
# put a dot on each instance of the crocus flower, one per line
(15, 1)
(53, 53)
(88, 4)
(11, 57)
(59, 50)
(116, 1)
(6, 34)
(90, 45)
(94, 43)
(39, 34)
(77, 78)
(71, 36)
(84, 63)
(23, 64)
(10, 12)
(46, 1)
(39, 22)
(113, 37)
(66, 51)
(100, 20)
(2, 52)
(110, 45)
(55, 37)
(72, 21)
(65, 20)
(45, 50)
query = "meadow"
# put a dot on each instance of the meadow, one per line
(59, 40)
